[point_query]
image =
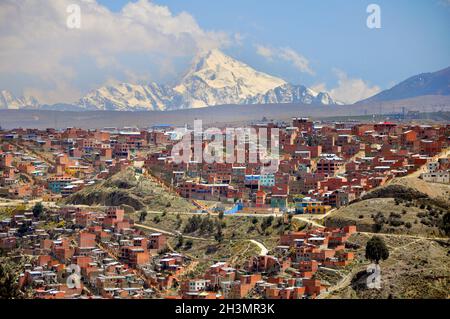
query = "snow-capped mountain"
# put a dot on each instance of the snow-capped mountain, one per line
(213, 79)
(9, 101)
(217, 79)
(126, 97)
(289, 93)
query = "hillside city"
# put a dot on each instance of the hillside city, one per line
(110, 214)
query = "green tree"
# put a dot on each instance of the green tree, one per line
(9, 288)
(142, 216)
(207, 225)
(188, 244)
(376, 249)
(219, 235)
(193, 224)
(23, 229)
(446, 223)
(180, 241)
(267, 222)
(38, 209)
(157, 219)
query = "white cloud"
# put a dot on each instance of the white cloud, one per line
(348, 90)
(264, 51)
(300, 62)
(239, 38)
(35, 42)
(319, 87)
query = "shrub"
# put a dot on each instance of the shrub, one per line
(267, 222)
(378, 227)
(219, 235)
(157, 219)
(396, 222)
(207, 225)
(426, 222)
(38, 209)
(188, 244)
(193, 224)
(279, 222)
(445, 224)
(395, 215)
(142, 216)
(180, 241)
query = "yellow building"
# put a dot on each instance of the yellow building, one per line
(309, 205)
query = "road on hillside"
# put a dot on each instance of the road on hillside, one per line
(162, 231)
(264, 250)
(405, 236)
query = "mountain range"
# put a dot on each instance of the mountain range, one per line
(436, 83)
(213, 79)
(217, 79)
(9, 101)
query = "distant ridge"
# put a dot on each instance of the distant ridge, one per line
(435, 83)
(215, 114)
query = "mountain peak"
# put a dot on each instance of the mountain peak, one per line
(216, 78)
(209, 59)
(9, 101)
(213, 54)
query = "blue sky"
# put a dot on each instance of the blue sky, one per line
(328, 44)
(414, 38)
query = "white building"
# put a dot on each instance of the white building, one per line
(442, 177)
(198, 285)
(433, 166)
